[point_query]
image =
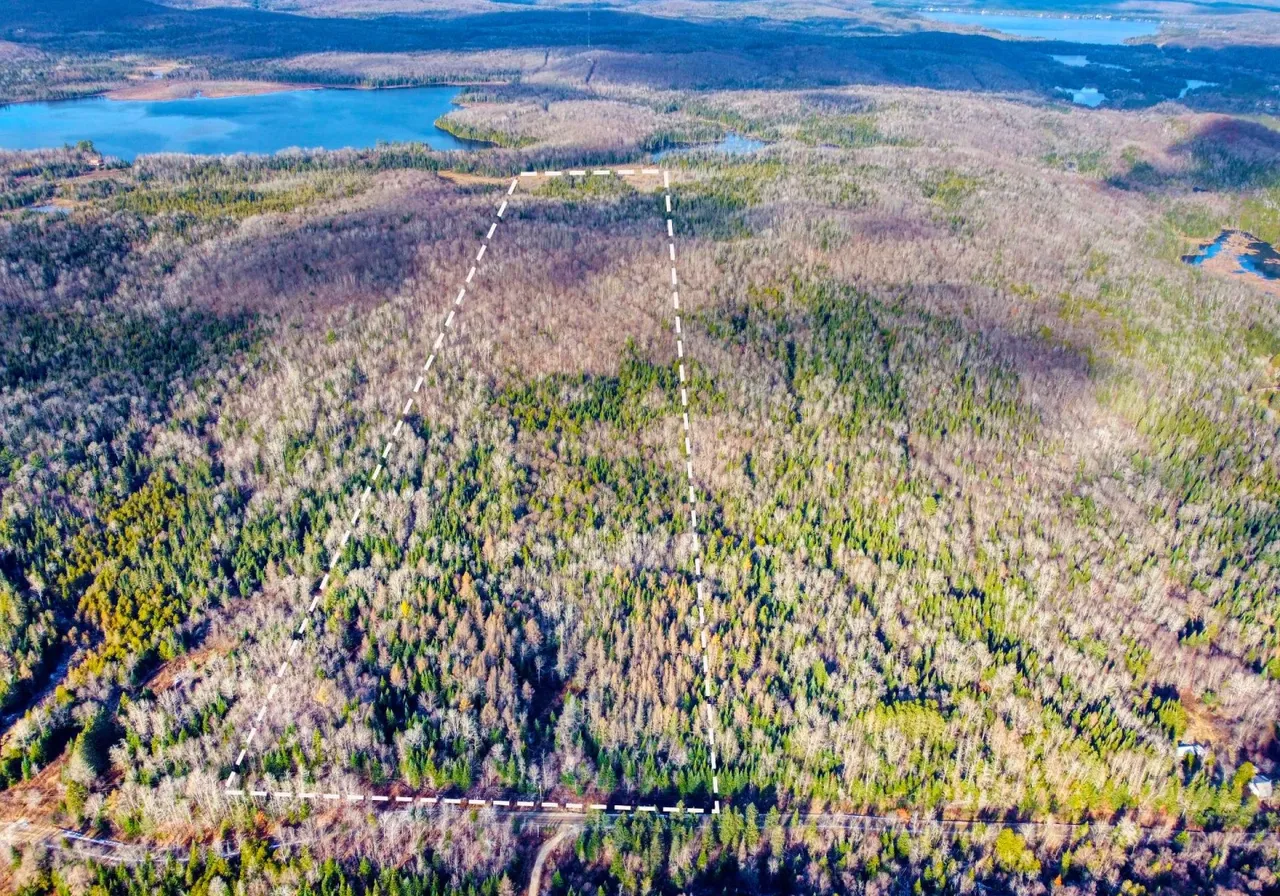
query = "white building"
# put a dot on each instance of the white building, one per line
(1261, 787)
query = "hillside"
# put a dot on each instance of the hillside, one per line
(984, 480)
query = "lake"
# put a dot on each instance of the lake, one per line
(266, 123)
(1193, 84)
(1085, 96)
(1082, 61)
(1079, 31)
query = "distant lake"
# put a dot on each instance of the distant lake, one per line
(266, 123)
(1079, 31)
(1085, 96)
(1193, 84)
(1082, 61)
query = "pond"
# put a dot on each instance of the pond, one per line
(1085, 96)
(1237, 252)
(730, 145)
(1073, 30)
(1082, 61)
(1193, 84)
(264, 123)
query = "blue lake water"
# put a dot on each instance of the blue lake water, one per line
(731, 145)
(1080, 31)
(1082, 61)
(267, 123)
(1085, 96)
(1209, 250)
(1258, 258)
(1255, 264)
(1193, 84)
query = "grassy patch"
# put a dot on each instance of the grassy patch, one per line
(1194, 221)
(219, 200)
(1262, 341)
(950, 188)
(713, 207)
(845, 131)
(1182, 224)
(1092, 162)
(1261, 216)
(579, 188)
(690, 134)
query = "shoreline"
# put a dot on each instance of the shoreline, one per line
(160, 90)
(224, 89)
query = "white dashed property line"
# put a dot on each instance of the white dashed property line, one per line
(708, 692)
(597, 172)
(704, 626)
(530, 805)
(401, 800)
(696, 541)
(295, 642)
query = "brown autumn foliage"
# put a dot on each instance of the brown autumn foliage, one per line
(989, 485)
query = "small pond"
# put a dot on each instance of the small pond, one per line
(1085, 96)
(1193, 84)
(1250, 254)
(1082, 61)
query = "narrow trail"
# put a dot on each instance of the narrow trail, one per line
(544, 852)
(23, 831)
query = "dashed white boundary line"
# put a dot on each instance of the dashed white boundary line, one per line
(460, 802)
(296, 641)
(542, 805)
(709, 704)
(709, 732)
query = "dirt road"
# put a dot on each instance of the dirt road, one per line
(535, 879)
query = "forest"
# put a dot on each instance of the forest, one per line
(52, 49)
(986, 490)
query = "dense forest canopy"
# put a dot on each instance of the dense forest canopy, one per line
(985, 491)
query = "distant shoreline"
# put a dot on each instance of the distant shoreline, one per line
(183, 90)
(160, 90)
